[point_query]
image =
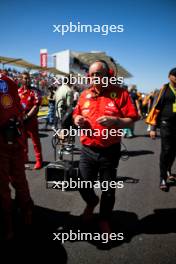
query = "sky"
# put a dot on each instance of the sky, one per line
(146, 47)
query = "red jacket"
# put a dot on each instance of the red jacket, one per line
(10, 106)
(29, 98)
(113, 101)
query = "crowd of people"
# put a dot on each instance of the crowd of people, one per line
(95, 108)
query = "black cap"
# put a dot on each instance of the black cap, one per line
(173, 72)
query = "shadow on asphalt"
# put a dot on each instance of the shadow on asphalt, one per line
(133, 153)
(44, 163)
(46, 129)
(127, 179)
(144, 135)
(43, 135)
(161, 222)
(35, 242)
(42, 240)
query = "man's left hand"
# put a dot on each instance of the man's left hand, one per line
(108, 121)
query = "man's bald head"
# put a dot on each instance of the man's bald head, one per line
(98, 68)
(98, 72)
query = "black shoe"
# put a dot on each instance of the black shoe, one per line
(87, 215)
(164, 186)
(171, 179)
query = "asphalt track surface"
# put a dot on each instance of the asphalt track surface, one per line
(144, 214)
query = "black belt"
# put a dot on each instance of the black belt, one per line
(102, 149)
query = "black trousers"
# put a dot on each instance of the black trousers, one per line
(99, 164)
(168, 148)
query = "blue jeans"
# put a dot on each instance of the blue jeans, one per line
(51, 113)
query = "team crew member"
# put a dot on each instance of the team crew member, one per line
(12, 156)
(167, 119)
(129, 132)
(101, 108)
(30, 101)
(64, 103)
(64, 99)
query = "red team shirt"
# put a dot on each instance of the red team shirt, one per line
(29, 98)
(113, 101)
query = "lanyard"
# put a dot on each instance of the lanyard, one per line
(173, 90)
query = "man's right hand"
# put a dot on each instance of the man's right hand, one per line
(153, 134)
(79, 120)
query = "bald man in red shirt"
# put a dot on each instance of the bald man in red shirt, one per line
(101, 108)
(12, 155)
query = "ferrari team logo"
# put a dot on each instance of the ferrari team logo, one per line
(86, 104)
(6, 101)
